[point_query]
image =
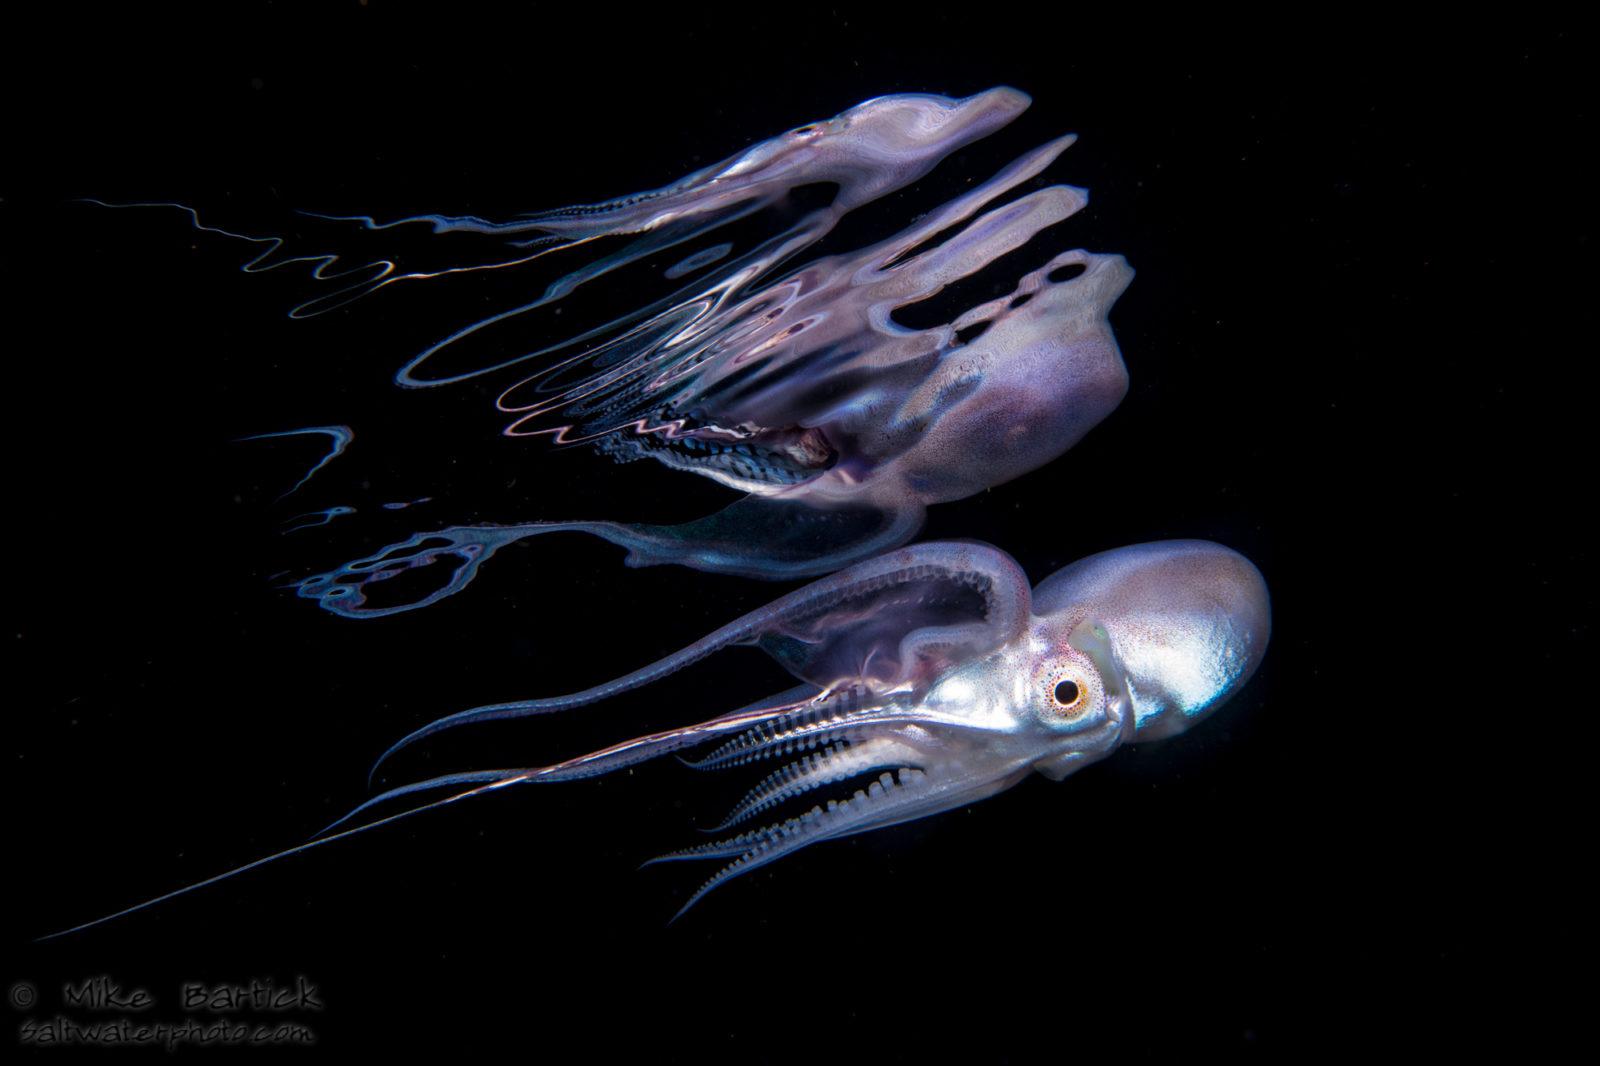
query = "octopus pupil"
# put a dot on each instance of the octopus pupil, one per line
(1067, 692)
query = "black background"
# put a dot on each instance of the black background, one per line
(1355, 246)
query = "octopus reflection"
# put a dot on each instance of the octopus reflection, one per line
(836, 394)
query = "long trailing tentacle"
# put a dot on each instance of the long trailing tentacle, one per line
(605, 760)
(602, 761)
(627, 753)
(1006, 605)
(286, 853)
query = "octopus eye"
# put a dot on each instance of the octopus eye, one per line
(1068, 693)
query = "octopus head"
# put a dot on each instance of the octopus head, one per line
(1153, 637)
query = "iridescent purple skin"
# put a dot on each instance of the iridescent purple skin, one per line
(935, 673)
(798, 388)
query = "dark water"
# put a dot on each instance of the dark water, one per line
(1339, 284)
